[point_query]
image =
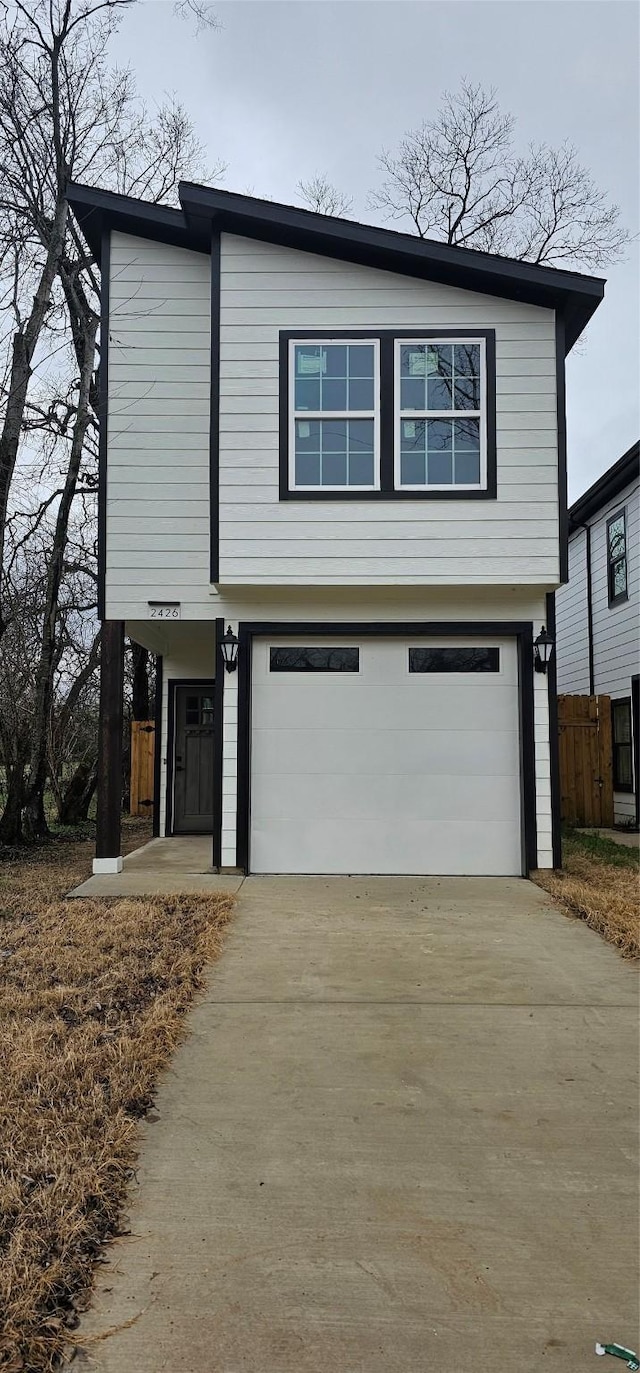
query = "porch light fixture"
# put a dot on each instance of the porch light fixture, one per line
(542, 650)
(229, 647)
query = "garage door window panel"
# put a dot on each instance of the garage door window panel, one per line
(456, 659)
(314, 659)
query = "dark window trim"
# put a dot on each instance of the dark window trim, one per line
(635, 729)
(214, 413)
(520, 630)
(617, 784)
(218, 745)
(611, 562)
(387, 338)
(172, 684)
(103, 410)
(554, 736)
(561, 414)
(327, 648)
(492, 670)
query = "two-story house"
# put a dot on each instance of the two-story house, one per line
(342, 447)
(598, 616)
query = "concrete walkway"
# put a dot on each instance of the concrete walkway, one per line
(630, 839)
(400, 1137)
(163, 867)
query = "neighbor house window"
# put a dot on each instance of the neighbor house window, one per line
(621, 732)
(334, 414)
(617, 558)
(439, 437)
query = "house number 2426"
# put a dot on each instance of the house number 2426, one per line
(164, 612)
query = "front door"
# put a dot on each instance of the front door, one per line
(193, 763)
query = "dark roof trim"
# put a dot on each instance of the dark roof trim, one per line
(606, 488)
(94, 209)
(574, 296)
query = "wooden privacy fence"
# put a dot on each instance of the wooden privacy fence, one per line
(586, 763)
(143, 733)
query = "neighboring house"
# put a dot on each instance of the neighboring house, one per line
(346, 446)
(598, 616)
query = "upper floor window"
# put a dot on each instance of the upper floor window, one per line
(388, 415)
(335, 414)
(440, 431)
(617, 558)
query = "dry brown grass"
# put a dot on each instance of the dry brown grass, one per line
(93, 996)
(601, 886)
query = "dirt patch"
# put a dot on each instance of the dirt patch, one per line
(93, 997)
(599, 882)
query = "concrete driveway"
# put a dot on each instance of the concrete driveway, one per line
(400, 1137)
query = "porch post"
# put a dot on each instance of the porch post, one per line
(109, 795)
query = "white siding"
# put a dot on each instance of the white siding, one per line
(265, 288)
(158, 428)
(616, 629)
(188, 652)
(572, 622)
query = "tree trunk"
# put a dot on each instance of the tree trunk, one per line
(35, 819)
(11, 829)
(73, 806)
(24, 344)
(140, 696)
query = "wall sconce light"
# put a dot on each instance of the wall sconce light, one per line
(542, 650)
(229, 647)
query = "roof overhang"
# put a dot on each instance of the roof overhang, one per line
(606, 488)
(204, 210)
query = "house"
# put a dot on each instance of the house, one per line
(598, 616)
(339, 451)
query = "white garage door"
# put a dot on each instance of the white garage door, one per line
(385, 756)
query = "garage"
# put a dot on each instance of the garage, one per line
(385, 755)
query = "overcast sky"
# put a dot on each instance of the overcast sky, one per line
(287, 89)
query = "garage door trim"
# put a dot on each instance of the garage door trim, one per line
(520, 630)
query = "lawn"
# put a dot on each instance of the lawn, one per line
(93, 999)
(600, 883)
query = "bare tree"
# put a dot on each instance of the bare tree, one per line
(458, 178)
(63, 114)
(319, 195)
(201, 11)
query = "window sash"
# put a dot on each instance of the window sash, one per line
(399, 414)
(295, 415)
(622, 746)
(617, 558)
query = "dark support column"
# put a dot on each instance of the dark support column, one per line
(554, 744)
(218, 747)
(157, 743)
(109, 796)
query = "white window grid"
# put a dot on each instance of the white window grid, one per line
(400, 414)
(334, 414)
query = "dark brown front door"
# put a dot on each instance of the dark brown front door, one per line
(193, 787)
